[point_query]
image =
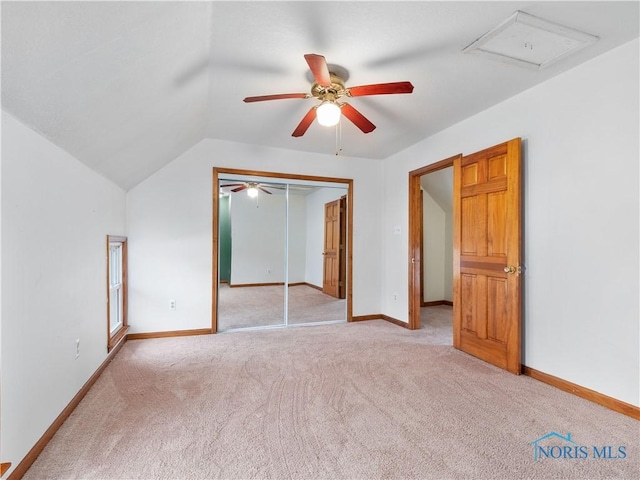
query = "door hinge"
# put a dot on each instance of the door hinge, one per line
(340, 284)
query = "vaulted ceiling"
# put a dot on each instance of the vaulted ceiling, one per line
(126, 87)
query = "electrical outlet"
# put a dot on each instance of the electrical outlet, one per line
(268, 271)
(172, 304)
(395, 297)
(77, 347)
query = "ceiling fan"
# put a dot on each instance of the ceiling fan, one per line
(328, 87)
(251, 188)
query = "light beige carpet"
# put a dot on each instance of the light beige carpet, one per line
(367, 400)
(437, 321)
(246, 307)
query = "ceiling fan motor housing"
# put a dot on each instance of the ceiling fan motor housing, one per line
(332, 92)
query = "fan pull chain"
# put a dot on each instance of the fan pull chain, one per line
(338, 138)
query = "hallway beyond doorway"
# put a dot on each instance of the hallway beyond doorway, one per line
(438, 323)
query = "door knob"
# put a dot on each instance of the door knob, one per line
(512, 269)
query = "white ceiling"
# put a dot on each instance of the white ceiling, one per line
(126, 87)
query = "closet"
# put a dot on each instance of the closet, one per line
(281, 248)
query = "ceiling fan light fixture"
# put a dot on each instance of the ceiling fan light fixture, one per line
(252, 191)
(328, 113)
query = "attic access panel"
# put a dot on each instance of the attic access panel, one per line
(529, 41)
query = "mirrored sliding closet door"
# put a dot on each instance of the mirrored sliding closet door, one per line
(252, 248)
(317, 283)
(282, 247)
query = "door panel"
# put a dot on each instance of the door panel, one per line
(473, 228)
(496, 224)
(497, 313)
(487, 240)
(469, 309)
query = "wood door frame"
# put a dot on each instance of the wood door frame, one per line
(343, 252)
(218, 171)
(415, 237)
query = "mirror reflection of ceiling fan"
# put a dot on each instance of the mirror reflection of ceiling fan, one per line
(328, 88)
(251, 188)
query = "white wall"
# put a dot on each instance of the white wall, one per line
(170, 223)
(315, 232)
(297, 240)
(439, 185)
(56, 214)
(258, 229)
(433, 262)
(581, 210)
(258, 236)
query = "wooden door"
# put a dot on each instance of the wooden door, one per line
(331, 277)
(487, 255)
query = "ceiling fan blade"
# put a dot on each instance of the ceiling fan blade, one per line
(357, 118)
(265, 191)
(239, 189)
(319, 68)
(280, 96)
(231, 185)
(305, 123)
(380, 89)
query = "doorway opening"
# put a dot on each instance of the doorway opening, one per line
(487, 246)
(282, 252)
(431, 249)
(436, 312)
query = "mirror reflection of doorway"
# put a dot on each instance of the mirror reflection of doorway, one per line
(436, 312)
(334, 254)
(272, 250)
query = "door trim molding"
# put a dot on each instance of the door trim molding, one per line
(415, 237)
(218, 171)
